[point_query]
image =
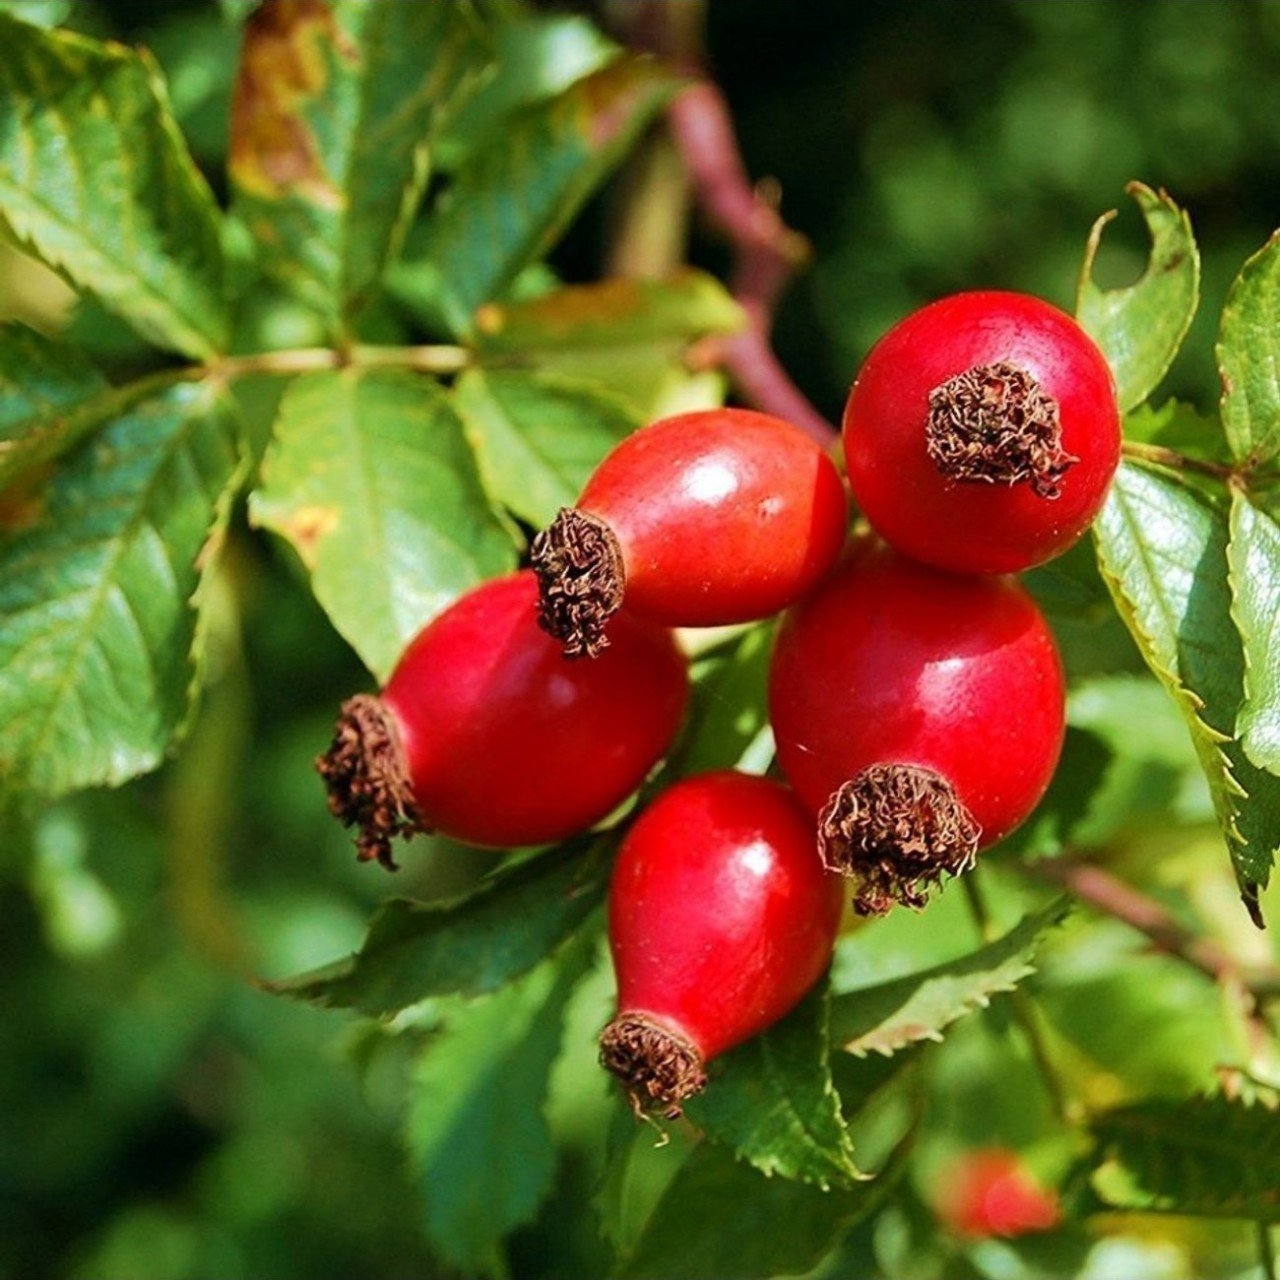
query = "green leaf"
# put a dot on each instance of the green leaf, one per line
(479, 1139)
(1141, 327)
(470, 946)
(729, 706)
(772, 1100)
(96, 623)
(535, 57)
(49, 396)
(920, 1006)
(1253, 555)
(372, 481)
(96, 180)
(1249, 358)
(335, 104)
(538, 437)
(1178, 426)
(1162, 549)
(1209, 1157)
(780, 1227)
(511, 203)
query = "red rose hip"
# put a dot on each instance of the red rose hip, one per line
(721, 917)
(698, 520)
(920, 714)
(982, 433)
(992, 1193)
(485, 734)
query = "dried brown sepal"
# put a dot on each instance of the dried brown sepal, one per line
(994, 423)
(895, 831)
(658, 1068)
(581, 579)
(365, 774)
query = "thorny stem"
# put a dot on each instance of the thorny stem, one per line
(1024, 1012)
(1105, 893)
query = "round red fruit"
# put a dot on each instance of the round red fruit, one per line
(920, 714)
(991, 1193)
(721, 917)
(485, 734)
(982, 433)
(703, 519)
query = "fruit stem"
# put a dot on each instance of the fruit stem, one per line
(895, 831)
(366, 776)
(581, 579)
(658, 1067)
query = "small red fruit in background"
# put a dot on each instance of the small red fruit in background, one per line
(982, 433)
(485, 734)
(721, 917)
(698, 520)
(920, 714)
(990, 1193)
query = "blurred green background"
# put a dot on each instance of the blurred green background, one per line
(160, 1116)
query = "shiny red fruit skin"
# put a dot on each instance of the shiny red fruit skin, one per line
(723, 516)
(967, 526)
(721, 915)
(890, 662)
(991, 1193)
(508, 744)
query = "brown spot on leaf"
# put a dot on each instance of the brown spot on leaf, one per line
(306, 527)
(22, 502)
(284, 68)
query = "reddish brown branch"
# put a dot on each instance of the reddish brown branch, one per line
(766, 250)
(1105, 893)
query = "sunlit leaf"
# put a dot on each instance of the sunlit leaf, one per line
(96, 180)
(334, 105)
(772, 1101)
(479, 1139)
(469, 946)
(920, 1006)
(538, 437)
(1254, 557)
(1141, 327)
(1249, 357)
(370, 478)
(1163, 551)
(96, 621)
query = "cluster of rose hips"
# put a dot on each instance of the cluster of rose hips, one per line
(916, 695)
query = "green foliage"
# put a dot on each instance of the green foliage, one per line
(1141, 327)
(1190, 1157)
(370, 479)
(401, 172)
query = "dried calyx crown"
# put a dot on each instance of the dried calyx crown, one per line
(995, 423)
(367, 779)
(895, 831)
(581, 578)
(659, 1068)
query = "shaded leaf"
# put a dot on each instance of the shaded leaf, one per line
(513, 200)
(96, 622)
(538, 437)
(334, 103)
(371, 480)
(785, 1227)
(536, 56)
(96, 179)
(1181, 427)
(1141, 327)
(479, 1139)
(1209, 1157)
(1253, 554)
(469, 946)
(1163, 552)
(920, 1006)
(49, 395)
(1249, 357)
(772, 1100)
